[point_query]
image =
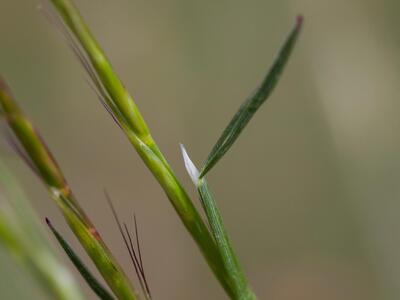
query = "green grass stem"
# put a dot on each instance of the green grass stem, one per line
(215, 246)
(129, 118)
(241, 287)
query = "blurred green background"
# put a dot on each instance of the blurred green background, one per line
(310, 192)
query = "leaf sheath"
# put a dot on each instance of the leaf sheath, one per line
(240, 285)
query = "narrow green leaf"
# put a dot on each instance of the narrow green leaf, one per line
(94, 284)
(241, 288)
(253, 103)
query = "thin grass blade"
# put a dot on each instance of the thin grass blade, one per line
(253, 103)
(94, 284)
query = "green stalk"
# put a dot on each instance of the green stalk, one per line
(241, 287)
(129, 118)
(36, 154)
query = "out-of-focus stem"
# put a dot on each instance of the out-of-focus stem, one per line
(40, 159)
(21, 234)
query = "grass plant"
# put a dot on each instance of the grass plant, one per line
(210, 235)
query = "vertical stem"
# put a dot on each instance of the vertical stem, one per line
(241, 287)
(133, 124)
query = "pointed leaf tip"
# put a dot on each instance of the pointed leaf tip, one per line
(190, 167)
(299, 21)
(253, 102)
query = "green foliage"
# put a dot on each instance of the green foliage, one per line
(120, 104)
(212, 240)
(237, 278)
(239, 282)
(253, 102)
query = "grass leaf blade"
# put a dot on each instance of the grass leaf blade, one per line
(253, 103)
(94, 284)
